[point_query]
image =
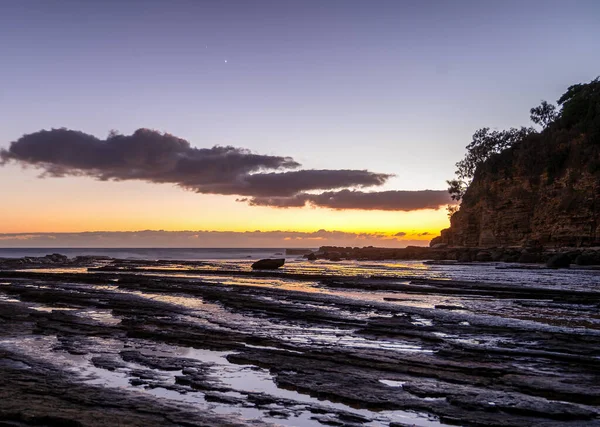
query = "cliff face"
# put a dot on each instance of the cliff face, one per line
(545, 190)
(525, 209)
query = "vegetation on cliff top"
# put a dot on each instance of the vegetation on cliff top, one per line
(550, 150)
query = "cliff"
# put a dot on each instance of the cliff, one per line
(542, 191)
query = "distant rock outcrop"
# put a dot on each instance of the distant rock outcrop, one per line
(552, 257)
(543, 191)
(298, 251)
(50, 261)
(268, 264)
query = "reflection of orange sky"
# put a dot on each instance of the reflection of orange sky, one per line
(76, 204)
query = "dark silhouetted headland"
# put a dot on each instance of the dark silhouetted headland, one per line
(543, 190)
(525, 195)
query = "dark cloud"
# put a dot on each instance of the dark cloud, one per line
(145, 155)
(400, 234)
(156, 157)
(296, 201)
(393, 200)
(152, 156)
(288, 184)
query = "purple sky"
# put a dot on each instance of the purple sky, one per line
(404, 83)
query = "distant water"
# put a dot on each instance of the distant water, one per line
(183, 254)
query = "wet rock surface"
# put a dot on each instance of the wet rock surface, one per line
(188, 343)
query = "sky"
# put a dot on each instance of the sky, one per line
(342, 112)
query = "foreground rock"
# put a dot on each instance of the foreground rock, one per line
(38, 394)
(465, 353)
(268, 264)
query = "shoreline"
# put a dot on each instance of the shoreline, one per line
(150, 344)
(521, 255)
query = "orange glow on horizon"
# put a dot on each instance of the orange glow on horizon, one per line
(78, 205)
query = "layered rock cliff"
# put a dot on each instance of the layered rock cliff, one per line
(542, 191)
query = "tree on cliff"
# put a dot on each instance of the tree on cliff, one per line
(543, 114)
(520, 187)
(484, 144)
(456, 188)
(581, 108)
(579, 111)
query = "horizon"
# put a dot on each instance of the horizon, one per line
(333, 122)
(206, 239)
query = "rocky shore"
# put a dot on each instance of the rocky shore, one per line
(543, 190)
(555, 258)
(50, 260)
(161, 343)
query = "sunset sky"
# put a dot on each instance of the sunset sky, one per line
(325, 102)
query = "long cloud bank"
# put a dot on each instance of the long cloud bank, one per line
(348, 199)
(262, 180)
(206, 239)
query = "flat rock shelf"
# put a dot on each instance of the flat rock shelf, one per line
(166, 343)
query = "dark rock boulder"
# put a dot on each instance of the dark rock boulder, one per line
(573, 255)
(311, 256)
(588, 258)
(497, 254)
(464, 257)
(483, 256)
(268, 264)
(559, 261)
(334, 256)
(57, 258)
(438, 245)
(438, 255)
(510, 255)
(529, 258)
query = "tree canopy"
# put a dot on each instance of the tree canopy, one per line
(579, 110)
(543, 114)
(484, 144)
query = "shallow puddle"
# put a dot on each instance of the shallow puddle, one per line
(295, 409)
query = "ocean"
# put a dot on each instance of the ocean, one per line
(183, 254)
